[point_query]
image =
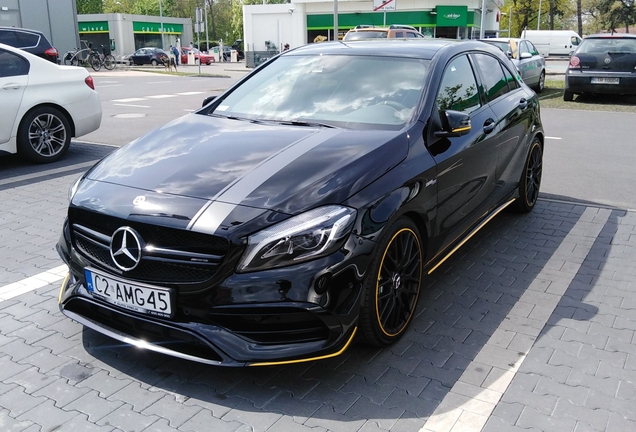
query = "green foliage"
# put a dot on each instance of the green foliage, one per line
(89, 6)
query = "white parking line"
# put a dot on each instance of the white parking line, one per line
(163, 96)
(48, 172)
(134, 106)
(554, 138)
(128, 100)
(32, 283)
(190, 93)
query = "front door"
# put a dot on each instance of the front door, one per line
(466, 165)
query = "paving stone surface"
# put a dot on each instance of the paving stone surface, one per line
(531, 326)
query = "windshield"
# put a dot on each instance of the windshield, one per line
(331, 89)
(604, 45)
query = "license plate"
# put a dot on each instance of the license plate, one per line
(605, 80)
(132, 296)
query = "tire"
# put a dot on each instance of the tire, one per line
(541, 84)
(568, 96)
(530, 181)
(110, 62)
(392, 285)
(95, 62)
(154, 62)
(68, 56)
(44, 135)
(75, 61)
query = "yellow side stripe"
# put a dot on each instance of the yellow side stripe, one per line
(310, 358)
(480, 226)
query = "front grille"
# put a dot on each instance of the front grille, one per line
(170, 255)
(279, 325)
(168, 337)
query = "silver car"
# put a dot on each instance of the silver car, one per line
(526, 58)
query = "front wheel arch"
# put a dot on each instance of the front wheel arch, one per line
(393, 283)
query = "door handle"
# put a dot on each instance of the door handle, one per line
(523, 104)
(11, 86)
(489, 125)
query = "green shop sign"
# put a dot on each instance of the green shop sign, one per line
(93, 27)
(452, 16)
(151, 27)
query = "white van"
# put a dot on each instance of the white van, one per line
(553, 42)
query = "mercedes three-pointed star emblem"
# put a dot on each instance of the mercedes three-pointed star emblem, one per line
(125, 248)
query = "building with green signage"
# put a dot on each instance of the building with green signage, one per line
(123, 34)
(306, 21)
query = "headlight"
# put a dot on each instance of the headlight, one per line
(74, 187)
(307, 236)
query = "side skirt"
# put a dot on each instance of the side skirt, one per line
(471, 233)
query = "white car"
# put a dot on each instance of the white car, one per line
(43, 105)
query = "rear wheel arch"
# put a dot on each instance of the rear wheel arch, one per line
(68, 116)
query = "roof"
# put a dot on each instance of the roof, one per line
(416, 48)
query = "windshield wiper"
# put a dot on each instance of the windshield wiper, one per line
(306, 123)
(233, 117)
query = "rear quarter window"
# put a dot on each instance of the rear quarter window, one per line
(27, 40)
(8, 37)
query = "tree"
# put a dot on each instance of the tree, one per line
(89, 6)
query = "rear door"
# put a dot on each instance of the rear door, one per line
(14, 71)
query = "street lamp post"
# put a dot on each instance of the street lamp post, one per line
(163, 42)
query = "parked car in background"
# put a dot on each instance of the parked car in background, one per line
(43, 105)
(553, 42)
(372, 32)
(205, 59)
(148, 55)
(524, 55)
(32, 41)
(310, 210)
(603, 64)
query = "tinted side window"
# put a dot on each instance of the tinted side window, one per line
(12, 64)
(8, 37)
(27, 40)
(458, 90)
(495, 83)
(532, 48)
(399, 34)
(410, 35)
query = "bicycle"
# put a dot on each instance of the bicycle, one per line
(79, 56)
(97, 60)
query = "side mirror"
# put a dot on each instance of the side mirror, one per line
(207, 100)
(526, 55)
(454, 124)
(509, 54)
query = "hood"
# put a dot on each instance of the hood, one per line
(273, 167)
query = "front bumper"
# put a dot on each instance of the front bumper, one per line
(264, 318)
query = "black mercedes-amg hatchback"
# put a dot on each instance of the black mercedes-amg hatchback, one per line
(326, 185)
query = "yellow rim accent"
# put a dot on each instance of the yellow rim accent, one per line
(284, 362)
(525, 173)
(64, 282)
(377, 313)
(480, 226)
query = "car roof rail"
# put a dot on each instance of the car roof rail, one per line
(361, 26)
(402, 26)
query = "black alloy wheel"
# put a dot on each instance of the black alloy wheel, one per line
(392, 285)
(530, 181)
(44, 135)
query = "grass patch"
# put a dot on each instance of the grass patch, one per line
(552, 97)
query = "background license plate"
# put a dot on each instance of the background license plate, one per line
(605, 80)
(128, 295)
